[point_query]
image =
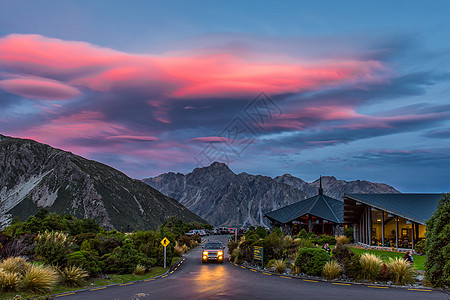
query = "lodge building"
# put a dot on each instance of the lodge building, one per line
(389, 220)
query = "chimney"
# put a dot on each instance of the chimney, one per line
(320, 187)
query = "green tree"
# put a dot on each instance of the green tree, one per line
(437, 248)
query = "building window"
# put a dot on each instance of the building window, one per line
(390, 229)
(377, 227)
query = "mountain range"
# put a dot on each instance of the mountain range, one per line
(34, 175)
(224, 198)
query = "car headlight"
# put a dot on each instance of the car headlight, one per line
(205, 252)
(220, 253)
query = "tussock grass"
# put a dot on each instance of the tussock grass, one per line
(73, 276)
(178, 250)
(15, 265)
(279, 265)
(185, 248)
(9, 281)
(342, 239)
(331, 270)
(40, 279)
(139, 270)
(371, 265)
(402, 271)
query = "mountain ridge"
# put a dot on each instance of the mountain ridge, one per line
(225, 198)
(34, 175)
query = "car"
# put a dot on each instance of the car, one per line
(213, 251)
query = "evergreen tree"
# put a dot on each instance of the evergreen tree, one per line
(437, 249)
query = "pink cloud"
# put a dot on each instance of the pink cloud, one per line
(177, 75)
(212, 139)
(41, 88)
(142, 138)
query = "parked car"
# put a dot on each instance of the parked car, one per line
(213, 251)
(199, 232)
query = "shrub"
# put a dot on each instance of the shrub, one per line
(53, 247)
(17, 265)
(39, 279)
(279, 265)
(295, 270)
(311, 260)
(326, 239)
(342, 253)
(384, 274)
(370, 266)
(304, 243)
(139, 270)
(9, 281)
(185, 248)
(402, 271)
(331, 270)
(419, 247)
(85, 260)
(232, 245)
(349, 234)
(124, 259)
(437, 248)
(352, 267)
(73, 276)
(342, 239)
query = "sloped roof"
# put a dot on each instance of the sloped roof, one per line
(414, 207)
(320, 206)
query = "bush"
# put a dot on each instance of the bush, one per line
(384, 274)
(352, 267)
(139, 270)
(9, 281)
(331, 270)
(17, 265)
(437, 249)
(39, 279)
(342, 240)
(342, 253)
(73, 276)
(279, 265)
(325, 239)
(85, 260)
(53, 247)
(124, 259)
(312, 260)
(402, 271)
(370, 266)
(304, 243)
(349, 234)
(419, 247)
(236, 255)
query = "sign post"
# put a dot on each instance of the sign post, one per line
(258, 254)
(165, 241)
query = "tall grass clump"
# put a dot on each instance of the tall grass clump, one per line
(139, 270)
(279, 265)
(52, 247)
(304, 243)
(178, 250)
(401, 271)
(15, 265)
(185, 248)
(331, 270)
(342, 239)
(73, 276)
(9, 281)
(371, 265)
(39, 279)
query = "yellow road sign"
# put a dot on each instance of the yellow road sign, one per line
(165, 241)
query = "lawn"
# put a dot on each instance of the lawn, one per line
(91, 283)
(419, 260)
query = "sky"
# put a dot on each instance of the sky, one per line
(351, 89)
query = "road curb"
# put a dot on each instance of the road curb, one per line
(93, 288)
(419, 288)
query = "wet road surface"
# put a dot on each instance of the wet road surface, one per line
(194, 280)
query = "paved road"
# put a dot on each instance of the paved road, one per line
(194, 280)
